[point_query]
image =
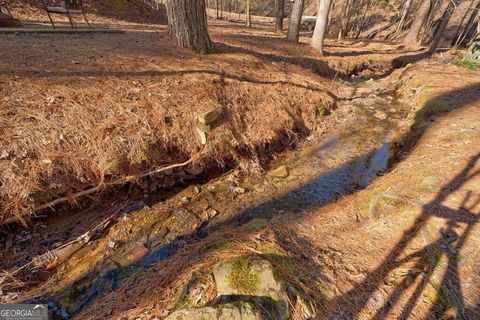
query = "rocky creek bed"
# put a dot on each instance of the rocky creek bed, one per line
(195, 244)
(135, 236)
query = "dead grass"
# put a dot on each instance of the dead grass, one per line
(381, 244)
(104, 115)
(98, 12)
(94, 109)
(175, 273)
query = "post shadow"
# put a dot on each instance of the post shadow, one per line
(374, 279)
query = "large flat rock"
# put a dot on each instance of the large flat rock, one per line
(237, 311)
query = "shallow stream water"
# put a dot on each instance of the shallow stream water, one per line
(316, 173)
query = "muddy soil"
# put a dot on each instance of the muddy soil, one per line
(363, 138)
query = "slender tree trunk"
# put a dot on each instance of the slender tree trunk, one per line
(418, 22)
(248, 14)
(217, 16)
(460, 37)
(187, 24)
(279, 9)
(295, 21)
(406, 8)
(357, 8)
(321, 25)
(364, 18)
(460, 25)
(452, 4)
(430, 23)
(344, 20)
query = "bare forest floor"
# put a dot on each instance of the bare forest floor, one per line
(101, 107)
(81, 111)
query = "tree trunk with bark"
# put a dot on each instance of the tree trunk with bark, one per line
(187, 24)
(418, 22)
(344, 20)
(464, 31)
(406, 8)
(295, 21)
(248, 14)
(452, 4)
(364, 18)
(321, 25)
(279, 9)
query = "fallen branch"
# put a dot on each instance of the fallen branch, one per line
(99, 187)
(61, 253)
(112, 183)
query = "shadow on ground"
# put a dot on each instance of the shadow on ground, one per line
(358, 297)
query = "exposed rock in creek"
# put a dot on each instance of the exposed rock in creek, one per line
(244, 276)
(202, 136)
(207, 122)
(252, 280)
(195, 170)
(229, 311)
(280, 172)
(380, 115)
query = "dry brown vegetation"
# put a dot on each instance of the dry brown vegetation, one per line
(99, 107)
(116, 12)
(413, 255)
(92, 109)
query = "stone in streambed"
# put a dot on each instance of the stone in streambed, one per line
(202, 136)
(380, 115)
(280, 172)
(228, 311)
(253, 279)
(195, 170)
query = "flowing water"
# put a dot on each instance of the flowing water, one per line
(316, 174)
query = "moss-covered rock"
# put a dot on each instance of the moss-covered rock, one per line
(235, 311)
(252, 280)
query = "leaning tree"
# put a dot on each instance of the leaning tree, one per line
(187, 24)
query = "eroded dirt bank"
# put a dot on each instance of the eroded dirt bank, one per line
(119, 106)
(403, 247)
(146, 256)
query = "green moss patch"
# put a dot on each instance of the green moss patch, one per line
(243, 277)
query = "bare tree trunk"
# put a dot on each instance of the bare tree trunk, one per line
(430, 23)
(295, 21)
(280, 9)
(460, 25)
(344, 20)
(452, 4)
(187, 24)
(364, 18)
(406, 8)
(321, 25)
(418, 22)
(357, 9)
(460, 37)
(249, 16)
(217, 16)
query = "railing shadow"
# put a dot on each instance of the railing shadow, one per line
(449, 244)
(365, 289)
